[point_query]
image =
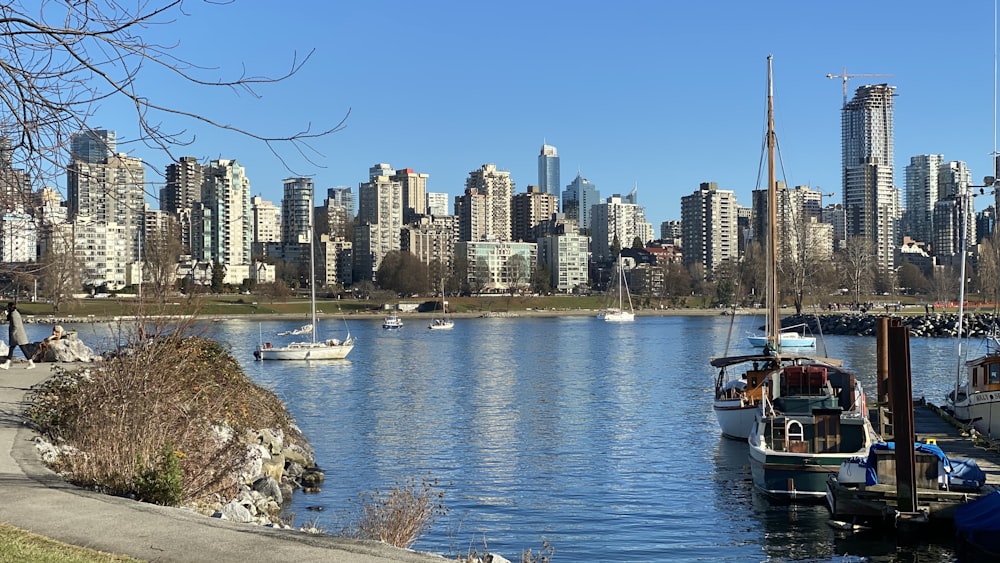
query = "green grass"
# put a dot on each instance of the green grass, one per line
(19, 546)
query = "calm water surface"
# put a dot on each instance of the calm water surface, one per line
(597, 437)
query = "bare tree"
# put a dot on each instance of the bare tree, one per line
(159, 268)
(989, 267)
(63, 60)
(519, 272)
(858, 262)
(59, 269)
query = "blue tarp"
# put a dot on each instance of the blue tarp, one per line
(961, 472)
(980, 515)
(977, 523)
(871, 475)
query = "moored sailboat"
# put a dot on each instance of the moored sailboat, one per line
(313, 349)
(620, 314)
(444, 322)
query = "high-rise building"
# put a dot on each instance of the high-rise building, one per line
(498, 189)
(93, 146)
(414, 186)
(221, 221)
(577, 199)
(529, 210)
(296, 210)
(548, 171)
(183, 185)
(380, 221)
(265, 225)
(106, 192)
(431, 238)
(921, 182)
(342, 196)
(617, 222)
(871, 199)
(709, 226)
(437, 203)
(182, 188)
(798, 222)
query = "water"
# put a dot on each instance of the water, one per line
(597, 437)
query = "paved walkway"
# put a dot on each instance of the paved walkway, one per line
(34, 498)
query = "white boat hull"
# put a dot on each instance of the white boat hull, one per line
(441, 325)
(329, 350)
(735, 417)
(787, 340)
(617, 316)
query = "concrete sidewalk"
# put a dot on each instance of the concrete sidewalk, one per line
(34, 498)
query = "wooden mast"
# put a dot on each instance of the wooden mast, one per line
(773, 303)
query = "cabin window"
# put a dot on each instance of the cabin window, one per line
(994, 373)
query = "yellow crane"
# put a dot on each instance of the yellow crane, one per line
(844, 76)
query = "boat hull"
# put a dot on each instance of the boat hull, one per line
(735, 418)
(306, 351)
(617, 316)
(793, 476)
(787, 341)
(441, 325)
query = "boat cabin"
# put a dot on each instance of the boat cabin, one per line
(984, 373)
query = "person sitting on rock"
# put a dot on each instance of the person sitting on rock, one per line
(57, 334)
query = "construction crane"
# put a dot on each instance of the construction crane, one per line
(844, 76)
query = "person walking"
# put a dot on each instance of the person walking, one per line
(16, 336)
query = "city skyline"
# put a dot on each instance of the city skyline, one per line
(627, 99)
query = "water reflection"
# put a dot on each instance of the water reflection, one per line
(598, 437)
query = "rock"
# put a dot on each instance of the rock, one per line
(269, 488)
(236, 512)
(274, 467)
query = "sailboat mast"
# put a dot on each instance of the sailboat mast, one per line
(774, 305)
(312, 271)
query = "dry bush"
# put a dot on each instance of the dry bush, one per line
(400, 515)
(157, 405)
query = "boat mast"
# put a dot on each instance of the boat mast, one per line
(773, 321)
(312, 271)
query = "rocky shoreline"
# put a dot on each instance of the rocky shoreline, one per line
(935, 325)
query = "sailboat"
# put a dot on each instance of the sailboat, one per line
(444, 322)
(811, 414)
(313, 349)
(619, 314)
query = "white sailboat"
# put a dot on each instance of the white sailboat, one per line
(313, 349)
(444, 322)
(620, 314)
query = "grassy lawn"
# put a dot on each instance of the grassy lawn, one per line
(209, 305)
(17, 546)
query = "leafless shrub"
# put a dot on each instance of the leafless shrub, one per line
(168, 389)
(400, 515)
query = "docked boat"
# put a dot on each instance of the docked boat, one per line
(620, 313)
(743, 381)
(976, 401)
(811, 414)
(392, 321)
(314, 348)
(813, 420)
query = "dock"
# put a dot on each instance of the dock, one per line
(878, 504)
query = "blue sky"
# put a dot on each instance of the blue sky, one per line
(659, 94)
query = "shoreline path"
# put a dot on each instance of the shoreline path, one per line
(34, 498)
